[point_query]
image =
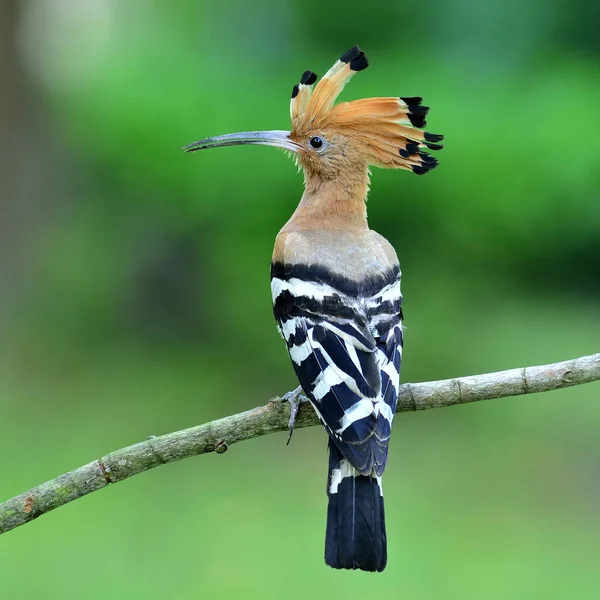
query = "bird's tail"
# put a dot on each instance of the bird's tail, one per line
(355, 535)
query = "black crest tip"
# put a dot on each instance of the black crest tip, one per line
(359, 63)
(434, 146)
(419, 170)
(412, 147)
(404, 153)
(295, 91)
(417, 109)
(433, 137)
(412, 100)
(429, 161)
(417, 120)
(308, 78)
(351, 54)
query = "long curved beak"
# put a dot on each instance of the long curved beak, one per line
(279, 139)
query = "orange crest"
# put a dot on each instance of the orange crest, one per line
(387, 130)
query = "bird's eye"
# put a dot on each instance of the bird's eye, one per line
(316, 142)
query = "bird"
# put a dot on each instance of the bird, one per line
(335, 287)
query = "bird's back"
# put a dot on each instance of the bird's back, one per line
(337, 301)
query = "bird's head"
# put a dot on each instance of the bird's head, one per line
(330, 140)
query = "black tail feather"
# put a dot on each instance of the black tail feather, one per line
(355, 536)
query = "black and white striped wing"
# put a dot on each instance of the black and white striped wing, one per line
(342, 364)
(384, 312)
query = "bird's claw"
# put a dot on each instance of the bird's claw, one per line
(293, 398)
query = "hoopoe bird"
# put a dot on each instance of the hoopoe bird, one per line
(336, 288)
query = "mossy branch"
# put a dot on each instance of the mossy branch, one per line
(218, 435)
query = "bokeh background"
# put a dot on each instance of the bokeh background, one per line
(134, 286)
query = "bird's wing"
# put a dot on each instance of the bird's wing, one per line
(338, 359)
(384, 312)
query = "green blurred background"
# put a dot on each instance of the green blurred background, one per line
(135, 297)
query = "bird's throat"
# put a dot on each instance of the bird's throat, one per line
(338, 203)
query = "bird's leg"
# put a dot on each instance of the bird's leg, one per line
(293, 398)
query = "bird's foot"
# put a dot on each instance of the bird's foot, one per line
(293, 398)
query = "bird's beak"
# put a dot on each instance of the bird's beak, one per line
(279, 139)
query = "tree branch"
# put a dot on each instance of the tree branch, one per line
(218, 435)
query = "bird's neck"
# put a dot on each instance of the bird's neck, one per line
(337, 203)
